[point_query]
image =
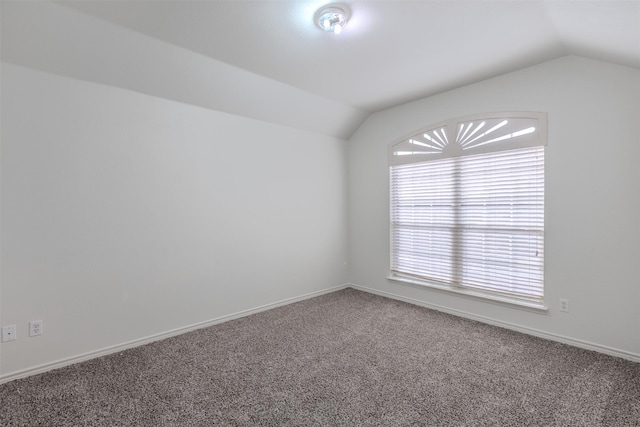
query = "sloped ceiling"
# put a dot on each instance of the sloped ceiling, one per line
(267, 60)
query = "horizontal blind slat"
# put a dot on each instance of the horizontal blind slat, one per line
(474, 221)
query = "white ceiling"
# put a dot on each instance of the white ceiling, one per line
(391, 52)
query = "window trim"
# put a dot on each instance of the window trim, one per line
(538, 137)
(537, 307)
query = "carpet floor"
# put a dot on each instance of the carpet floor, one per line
(348, 358)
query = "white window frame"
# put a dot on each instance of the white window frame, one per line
(455, 141)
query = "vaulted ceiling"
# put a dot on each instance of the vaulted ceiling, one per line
(267, 59)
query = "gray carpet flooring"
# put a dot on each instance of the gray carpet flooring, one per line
(347, 358)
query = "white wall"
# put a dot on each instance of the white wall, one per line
(126, 215)
(592, 238)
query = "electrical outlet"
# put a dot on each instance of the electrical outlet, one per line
(564, 305)
(9, 333)
(35, 328)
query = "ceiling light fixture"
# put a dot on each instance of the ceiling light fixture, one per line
(332, 18)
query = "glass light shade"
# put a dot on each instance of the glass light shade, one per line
(332, 19)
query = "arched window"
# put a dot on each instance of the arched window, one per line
(467, 206)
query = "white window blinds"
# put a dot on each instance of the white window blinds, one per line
(471, 219)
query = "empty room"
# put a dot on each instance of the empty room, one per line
(308, 213)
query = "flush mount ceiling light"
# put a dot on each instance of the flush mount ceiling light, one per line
(332, 18)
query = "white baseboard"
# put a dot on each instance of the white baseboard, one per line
(178, 331)
(163, 335)
(507, 325)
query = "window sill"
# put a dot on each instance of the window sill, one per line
(477, 295)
